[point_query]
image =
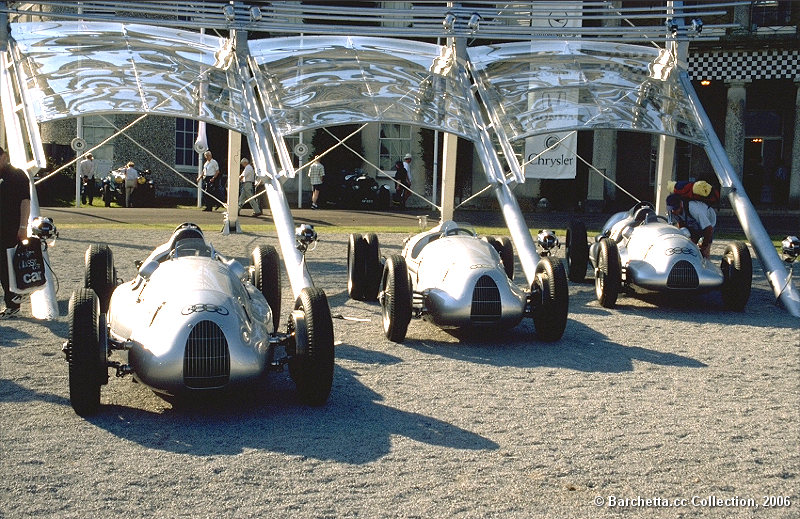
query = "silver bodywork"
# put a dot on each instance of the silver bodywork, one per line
(173, 295)
(655, 255)
(445, 270)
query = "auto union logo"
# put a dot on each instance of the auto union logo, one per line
(221, 310)
(672, 251)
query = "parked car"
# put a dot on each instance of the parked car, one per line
(454, 279)
(193, 321)
(638, 248)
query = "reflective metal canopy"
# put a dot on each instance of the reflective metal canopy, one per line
(542, 86)
(310, 82)
(83, 68)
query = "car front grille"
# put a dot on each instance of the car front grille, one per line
(486, 306)
(206, 360)
(683, 275)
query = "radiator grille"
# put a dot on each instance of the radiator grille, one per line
(485, 301)
(206, 361)
(682, 275)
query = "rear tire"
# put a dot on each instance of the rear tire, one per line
(372, 267)
(507, 255)
(737, 272)
(312, 371)
(608, 274)
(396, 299)
(577, 251)
(86, 356)
(267, 279)
(550, 315)
(356, 266)
(99, 274)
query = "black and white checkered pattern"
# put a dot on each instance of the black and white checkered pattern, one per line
(745, 65)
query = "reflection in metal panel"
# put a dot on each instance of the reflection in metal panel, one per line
(555, 86)
(312, 82)
(84, 68)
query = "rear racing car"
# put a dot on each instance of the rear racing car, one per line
(455, 279)
(638, 248)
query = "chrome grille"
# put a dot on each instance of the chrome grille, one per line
(206, 360)
(683, 275)
(486, 306)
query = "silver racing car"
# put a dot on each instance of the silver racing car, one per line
(191, 321)
(453, 278)
(638, 248)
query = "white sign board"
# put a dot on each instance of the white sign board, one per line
(553, 155)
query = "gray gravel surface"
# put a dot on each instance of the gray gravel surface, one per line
(655, 399)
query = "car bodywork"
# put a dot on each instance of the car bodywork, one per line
(193, 320)
(453, 278)
(638, 248)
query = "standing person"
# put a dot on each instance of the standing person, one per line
(15, 210)
(87, 169)
(401, 189)
(209, 179)
(247, 179)
(131, 176)
(316, 171)
(407, 165)
(696, 216)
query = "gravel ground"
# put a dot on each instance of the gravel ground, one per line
(659, 400)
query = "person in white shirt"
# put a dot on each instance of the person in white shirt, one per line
(87, 170)
(209, 179)
(316, 172)
(131, 176)
(247, 179)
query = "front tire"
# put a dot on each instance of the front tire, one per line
(99, 273)
(577, 251)
(395, 298)
(608, 274)
(550, 314)
(86, 354)
(737, 272)
(312, 370)
(267, 279)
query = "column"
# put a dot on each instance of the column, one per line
(734, 125)
(794, 164)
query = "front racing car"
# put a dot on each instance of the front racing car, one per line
(192, 321)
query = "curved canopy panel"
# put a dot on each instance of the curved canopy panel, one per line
(540, 87)
(310, 82)
(83, 68)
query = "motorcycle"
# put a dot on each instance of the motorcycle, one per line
(355, 190)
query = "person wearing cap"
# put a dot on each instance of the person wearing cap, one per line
(407, 165)
(695, 216)
(247, 179)
(87, 171)
(15, 209)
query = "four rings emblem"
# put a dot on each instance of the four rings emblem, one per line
(221, 310)
(680, 250)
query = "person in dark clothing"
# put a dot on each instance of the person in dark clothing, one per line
(15, 208)
(401, 175)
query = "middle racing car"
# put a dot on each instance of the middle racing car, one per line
(638, 248)
(456, 279)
